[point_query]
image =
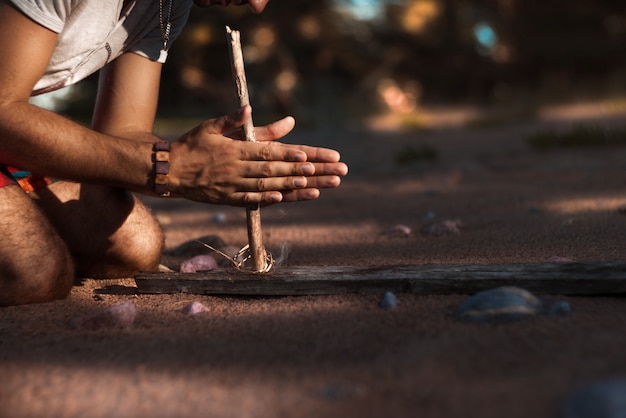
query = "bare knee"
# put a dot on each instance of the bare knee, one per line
(40, 277)
(35, 263)
(140, 242)
(108, 231)
(136, 246)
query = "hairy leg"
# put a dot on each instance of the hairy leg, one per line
(35, 264)
(109, 232)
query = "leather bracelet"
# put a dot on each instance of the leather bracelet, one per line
(161, 160)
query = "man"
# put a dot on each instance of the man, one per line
(90, 224)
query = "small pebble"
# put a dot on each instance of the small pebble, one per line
(508, 303)
(389, 301)
(601, 399)
(560, 308)
(399, 230)
(499, 304)
(219, 218)
(194, 308)
(198, 263)
(121, 315)
(447, 227)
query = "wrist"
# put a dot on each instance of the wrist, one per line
(161, 168)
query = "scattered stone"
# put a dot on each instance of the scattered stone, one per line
(198, 263)
(194, 308)
(559, 308)
(196, 246)
(508, 303)
(601, 399)
(399, 230)
(219, 218)
(389, 301)
(121, 315)
(447, 227)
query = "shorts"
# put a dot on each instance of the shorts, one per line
(28, 181)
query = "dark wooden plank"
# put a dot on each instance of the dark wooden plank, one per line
(547, 278)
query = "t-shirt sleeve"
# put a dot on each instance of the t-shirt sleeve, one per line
(50, 14)
(152, 44)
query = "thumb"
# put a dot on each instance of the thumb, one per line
(229, 122)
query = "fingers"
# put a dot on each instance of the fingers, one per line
(273, 151)
(306, 189)
(231, 123)
(207, 166)
(316, 154)
(275, 175)
(300, 195)
(275, 130)
(270, 198)
(286, 184)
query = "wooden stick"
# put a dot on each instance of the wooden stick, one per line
(253, 211)
(587, 278)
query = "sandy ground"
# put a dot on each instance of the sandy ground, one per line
(342, 355)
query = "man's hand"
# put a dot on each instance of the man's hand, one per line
(210, 164)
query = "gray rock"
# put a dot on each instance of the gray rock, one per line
(560, 308)
(508, 303)
(389, 301)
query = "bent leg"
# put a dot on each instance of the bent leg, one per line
(35, 264)
(109, 232)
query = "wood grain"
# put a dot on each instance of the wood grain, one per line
(548, 278)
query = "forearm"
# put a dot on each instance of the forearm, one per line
(43, 142)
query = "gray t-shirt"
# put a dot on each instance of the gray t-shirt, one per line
(92, 33)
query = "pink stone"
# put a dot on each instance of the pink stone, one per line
(399, 231)
(198, 263)
(121, 315)
(194, 308)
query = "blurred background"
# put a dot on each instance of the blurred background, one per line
(505, 116)
(394, 64)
